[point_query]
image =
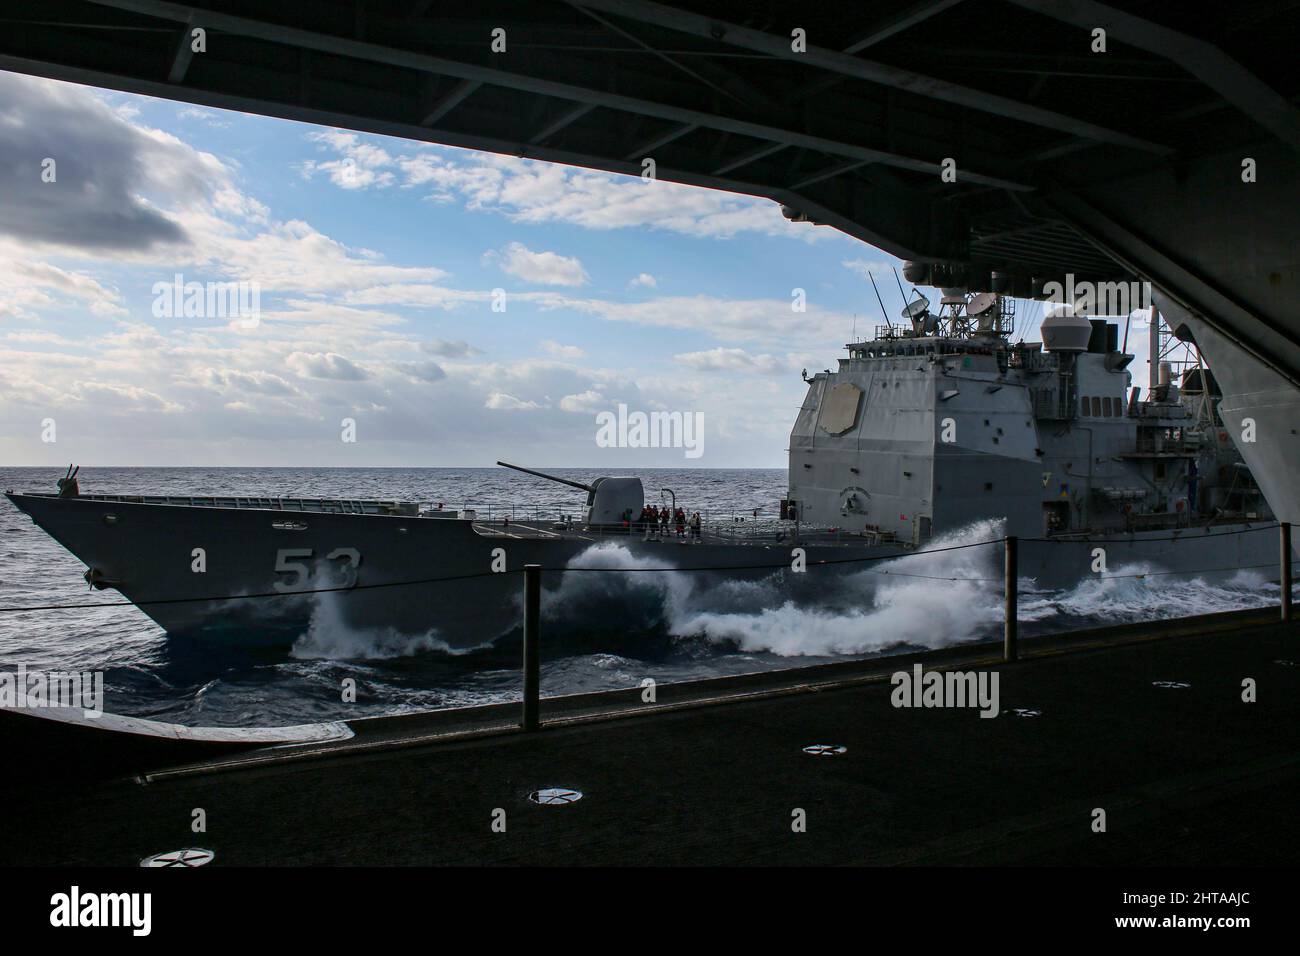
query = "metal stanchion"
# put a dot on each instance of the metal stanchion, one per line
(532, 651)
(1009, 634)
(1285, 578)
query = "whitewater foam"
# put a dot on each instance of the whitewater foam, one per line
(1142, 591)
(330, 637)
(932, 598)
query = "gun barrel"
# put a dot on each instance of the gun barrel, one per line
(540, 474)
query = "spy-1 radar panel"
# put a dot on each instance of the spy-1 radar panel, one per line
(840, 409)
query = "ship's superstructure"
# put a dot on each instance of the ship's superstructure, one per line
(943, 421)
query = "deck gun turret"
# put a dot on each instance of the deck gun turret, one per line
(612, 502)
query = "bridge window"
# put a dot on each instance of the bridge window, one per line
(1096, 407)
(1083, 405)
(1105, 407)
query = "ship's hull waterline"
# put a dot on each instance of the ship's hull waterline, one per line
(150, 553)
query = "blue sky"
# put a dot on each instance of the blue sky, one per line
(376, 260)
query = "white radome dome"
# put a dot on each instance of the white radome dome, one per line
(1063, 331)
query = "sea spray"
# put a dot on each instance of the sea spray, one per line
(1142, 591)
(931, 598)
(627, 593)
(330, 637)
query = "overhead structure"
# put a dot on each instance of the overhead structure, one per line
(1006, 143)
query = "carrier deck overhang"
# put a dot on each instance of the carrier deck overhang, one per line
(1098, 167)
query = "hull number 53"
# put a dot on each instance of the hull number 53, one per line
(287, 561)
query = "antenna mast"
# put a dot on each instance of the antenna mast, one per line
(889, 325)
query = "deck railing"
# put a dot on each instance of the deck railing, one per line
(1011, 547)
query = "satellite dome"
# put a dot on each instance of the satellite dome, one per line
(1063, 331)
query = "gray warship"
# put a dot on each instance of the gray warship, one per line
(934, 424)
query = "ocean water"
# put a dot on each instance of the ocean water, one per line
(672, 630)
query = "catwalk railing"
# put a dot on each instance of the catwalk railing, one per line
(1010, 585)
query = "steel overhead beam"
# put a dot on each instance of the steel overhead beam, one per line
(1178, 282)
(184, 53)
(682, 21)
(649, 146)
(568, 119)
(838, 169)
(693, 74)
(356, 49)
(917, 245)
(454, 97)
(881, 31)
(365, 124)
(753, 156)
(1201, 59)
(907, 19)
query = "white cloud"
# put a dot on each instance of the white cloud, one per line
(212, 118)
(295, 257)
(416, 295)
(532, 191)
(446, 349)
(730, 360)
(27, 286)
(121, 397)
(362, 165)
(584, 402)
(334, 338)
(562, 351)
(254, 382)
(422, 371)
(644, 280)
(751, 320)
(325, 365)
(501, 401)
(548, 268)
(36, 336)
(867, 268)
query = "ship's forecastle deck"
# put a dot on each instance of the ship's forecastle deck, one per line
(319, 505)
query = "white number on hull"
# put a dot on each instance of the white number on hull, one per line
(284, 566)
(301, 572)
(353, 558)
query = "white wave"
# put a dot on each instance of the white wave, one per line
(330, 637)
(904, 603)
(610, 661)
(932, 598)
(1142, 591)
(642, 597)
